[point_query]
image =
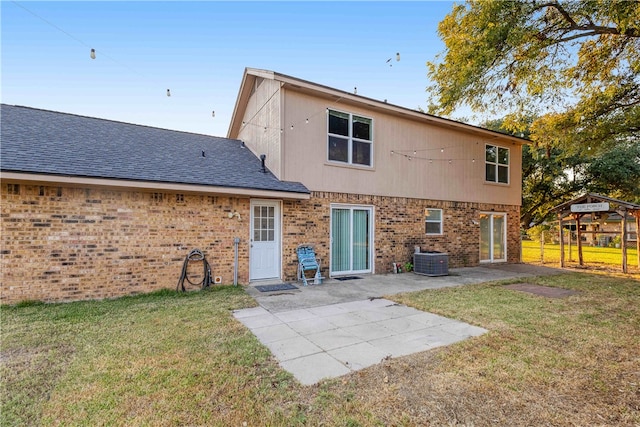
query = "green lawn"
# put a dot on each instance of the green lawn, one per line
(163, 359)
(592, 255)
(182, 359)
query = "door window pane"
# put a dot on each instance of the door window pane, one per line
(340, 237)
(360, 240)
(498, 237)
(485, 238)
(263, 224)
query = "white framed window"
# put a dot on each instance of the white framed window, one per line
(433, 221)
(350, 138)
(496, 164)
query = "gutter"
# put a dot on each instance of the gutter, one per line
(44, 179)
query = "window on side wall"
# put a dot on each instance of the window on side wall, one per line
(350, 139)
(433, 221)
(496, 164)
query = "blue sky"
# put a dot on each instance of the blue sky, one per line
(199, 51)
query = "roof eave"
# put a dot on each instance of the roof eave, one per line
(77, 181)
(627, 205)
(304, 85)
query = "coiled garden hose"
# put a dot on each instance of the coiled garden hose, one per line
(207, 280)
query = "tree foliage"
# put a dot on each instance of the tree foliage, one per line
(573, 64)
(616, 173)
(566, 74)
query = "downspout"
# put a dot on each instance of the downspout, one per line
(236, 241)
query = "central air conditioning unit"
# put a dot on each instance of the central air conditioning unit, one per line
(431, 263)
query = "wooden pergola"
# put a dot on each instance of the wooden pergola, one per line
(596, 204)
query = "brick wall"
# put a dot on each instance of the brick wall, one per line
(399, 227)
(61, 244)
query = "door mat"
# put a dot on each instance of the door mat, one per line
(272, 288)
(343, 278)
(545, 291)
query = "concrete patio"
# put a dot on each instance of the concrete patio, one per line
(329, 330)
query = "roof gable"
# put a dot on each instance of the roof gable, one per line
(565, 207)
(47, 142)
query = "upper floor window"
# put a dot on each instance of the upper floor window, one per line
(350, 138)
(433, 221)
(496, 164)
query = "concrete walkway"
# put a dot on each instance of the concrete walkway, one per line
(329, 330)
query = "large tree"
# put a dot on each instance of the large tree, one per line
(573, 64)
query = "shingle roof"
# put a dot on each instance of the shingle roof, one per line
(48, 142)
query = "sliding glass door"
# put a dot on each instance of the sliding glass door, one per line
(493, 237)
(351, 239)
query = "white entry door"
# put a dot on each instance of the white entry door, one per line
(264, 252)
(493, 237)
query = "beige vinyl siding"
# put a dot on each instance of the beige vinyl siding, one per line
(394, 175)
